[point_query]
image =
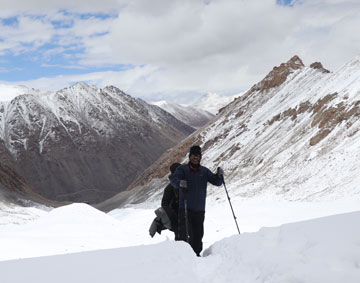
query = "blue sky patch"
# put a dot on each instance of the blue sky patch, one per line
(54, 57)
(12, 21)
(101, 16)
(284, 2)
(32, 65)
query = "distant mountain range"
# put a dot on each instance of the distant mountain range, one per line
(83, 143)
(213, 102)
(191, 116)
(198, 113)
(292, 136)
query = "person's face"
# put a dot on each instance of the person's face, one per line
(195, 159)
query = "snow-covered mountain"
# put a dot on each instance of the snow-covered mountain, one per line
(293, 136)
(213, 102)
(83, 143)
(191, 116)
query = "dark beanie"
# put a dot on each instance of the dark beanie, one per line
(195, 150)
(173, 167)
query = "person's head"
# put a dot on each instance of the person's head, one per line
(195, 154)
(173, 167)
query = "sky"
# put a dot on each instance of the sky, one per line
(170, 50)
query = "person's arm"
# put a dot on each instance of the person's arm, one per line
(167, 196)
(214, 179)
(178, 175)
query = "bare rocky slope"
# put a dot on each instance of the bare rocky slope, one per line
(82, 143)
(14, 189)
(292, 136)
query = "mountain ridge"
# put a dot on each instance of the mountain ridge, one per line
(295, 128)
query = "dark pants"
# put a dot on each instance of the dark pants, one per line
(173, 216)
(196, 228)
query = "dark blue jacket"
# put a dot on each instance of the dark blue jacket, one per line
(196, 179)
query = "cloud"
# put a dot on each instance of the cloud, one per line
(14, 7)
(26, 34)
(125, 79)
(179, 46)
(203, 47)
(327, 32)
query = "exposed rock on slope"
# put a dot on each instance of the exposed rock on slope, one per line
(15, 189)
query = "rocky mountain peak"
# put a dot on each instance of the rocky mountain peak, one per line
(295, 62)
(82, 85)
(319, 66)
(279, 74)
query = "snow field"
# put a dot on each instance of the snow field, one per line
(319, 250)
(77, 243)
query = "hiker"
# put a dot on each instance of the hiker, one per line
(191, 179)
(170, 202)
(167, 214)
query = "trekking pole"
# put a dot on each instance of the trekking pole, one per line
(186, 218)
(237, 226)
(183, 185)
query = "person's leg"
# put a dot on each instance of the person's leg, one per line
(182, 225)
(181, 233)
(175, 225)
(191, 230)
(197, 227)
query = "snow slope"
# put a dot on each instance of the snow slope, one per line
(320, 250)
(79, 227)
(15, 214)
(295, 140)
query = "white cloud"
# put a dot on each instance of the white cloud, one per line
(124, 80)
(14, 7)
(188, 45)
(28, 33)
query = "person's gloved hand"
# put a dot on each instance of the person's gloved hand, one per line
(183, 184)
(220, 172)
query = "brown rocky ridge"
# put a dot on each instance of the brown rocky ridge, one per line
(279, 74)
(319, 66)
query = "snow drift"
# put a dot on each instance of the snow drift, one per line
(320, 250)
